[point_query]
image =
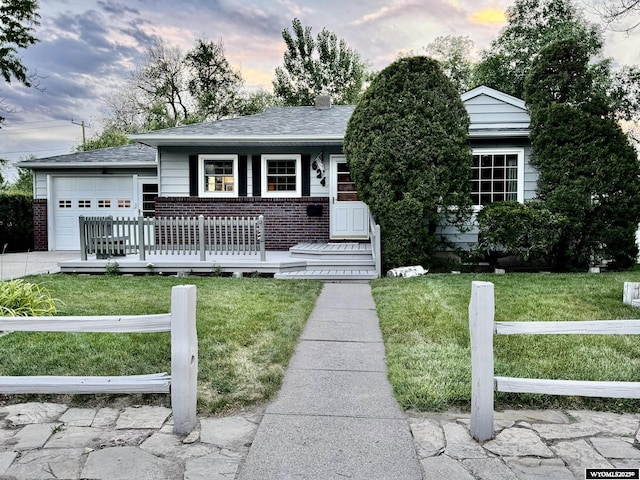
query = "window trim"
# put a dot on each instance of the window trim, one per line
(201, 180)
(519, 151)
(281, 194)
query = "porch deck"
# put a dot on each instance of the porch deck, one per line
(319, 261)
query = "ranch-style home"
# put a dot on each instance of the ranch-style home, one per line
(285, 166)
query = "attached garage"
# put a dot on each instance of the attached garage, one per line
(118, 182)
(89, 197)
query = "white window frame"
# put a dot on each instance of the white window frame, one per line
(201, 180)
(272, 193)
(520, 168)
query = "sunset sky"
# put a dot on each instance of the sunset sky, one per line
(87, 48)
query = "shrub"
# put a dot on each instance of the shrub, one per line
(528, 230)
(16, 222)
(20, 298)
(406, 146)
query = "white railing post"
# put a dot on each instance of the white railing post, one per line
(141, 247)
(481, 318)
(83, 238)
(184, 358)
(203, 249)
(261, 235)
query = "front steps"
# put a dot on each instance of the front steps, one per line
(331, 262)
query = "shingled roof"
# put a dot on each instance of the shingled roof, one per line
(276, 125)
(126, 156)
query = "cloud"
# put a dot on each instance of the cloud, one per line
(488, 16)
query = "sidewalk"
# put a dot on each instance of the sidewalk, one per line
(16, 265)
(335, 418)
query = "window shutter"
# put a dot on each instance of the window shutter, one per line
(242, 174)
(193, 175)
(256, 164)
(306, 175)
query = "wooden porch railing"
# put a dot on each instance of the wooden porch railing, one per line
(376, 248)
(108, 236)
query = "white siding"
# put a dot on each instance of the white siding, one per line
(174, 174)
(488, 112)
(40, 184)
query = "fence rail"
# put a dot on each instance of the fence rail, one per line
(182, 383)
(482, 329)
(108, 236)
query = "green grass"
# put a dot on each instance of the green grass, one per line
(424, 323)
(247, 330)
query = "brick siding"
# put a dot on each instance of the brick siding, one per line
(40, 238)
(286, 219)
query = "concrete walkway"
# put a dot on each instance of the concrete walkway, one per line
(335, 418)
(15, 265)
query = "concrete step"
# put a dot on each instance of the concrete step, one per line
(329, 275)
(331, 251)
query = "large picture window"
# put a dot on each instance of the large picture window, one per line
(497, 176)
(281, 175)
(218, 175)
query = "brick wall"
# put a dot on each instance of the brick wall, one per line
(286, 219)
(40, 238)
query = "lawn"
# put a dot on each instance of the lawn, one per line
(247, 331)
(424, 321)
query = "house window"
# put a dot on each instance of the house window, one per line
(84, 203)
(104, 203)
(124, 203)
(497, 176)
(64, 204)
(281, 176)
(219, 175)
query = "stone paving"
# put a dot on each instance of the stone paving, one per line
(52, 441)
(528, 445)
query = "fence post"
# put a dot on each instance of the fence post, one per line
(184, 358)
(481, 317)
(631, 292)
(141, 246)
(203, 250)
(83, 238)
(261, 235)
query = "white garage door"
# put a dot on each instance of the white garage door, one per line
(89, 197)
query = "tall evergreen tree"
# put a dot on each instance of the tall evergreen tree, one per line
(588, 170)
(406, 146)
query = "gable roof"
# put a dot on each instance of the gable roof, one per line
(275, 126)
(126, 156)
(495, 114)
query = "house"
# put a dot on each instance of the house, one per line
(286, 163)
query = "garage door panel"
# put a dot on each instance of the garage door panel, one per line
(90, 197)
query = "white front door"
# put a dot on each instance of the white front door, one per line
(349, 216)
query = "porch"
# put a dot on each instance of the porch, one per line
(214, 246)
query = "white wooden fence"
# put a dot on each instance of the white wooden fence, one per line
(182, 383)
(484, 383)
(107, 236)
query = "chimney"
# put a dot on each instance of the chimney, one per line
(323, 102)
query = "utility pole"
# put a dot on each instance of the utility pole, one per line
(84, 138)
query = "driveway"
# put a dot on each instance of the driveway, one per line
(14, 265)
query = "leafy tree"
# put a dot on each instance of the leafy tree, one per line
(162, 82)
(406, 146)
(109, 137)
(588, 169)
(23, 184)
(213, 83)
(256, 102)
(620, 15)
(531, 25)
(18, 19)
(311, 67)
(455, 57)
